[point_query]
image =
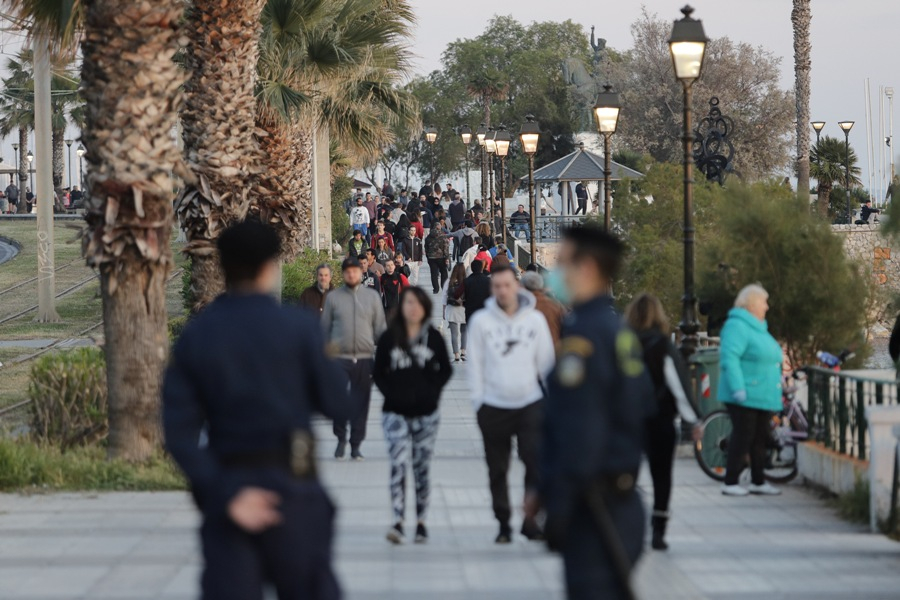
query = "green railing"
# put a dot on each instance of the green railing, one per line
(837, 408)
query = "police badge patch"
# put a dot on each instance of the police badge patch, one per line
(572, 365)
(629, 354)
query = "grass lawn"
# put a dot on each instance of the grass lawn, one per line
(78, 311)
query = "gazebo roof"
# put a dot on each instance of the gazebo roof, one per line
(582, 165)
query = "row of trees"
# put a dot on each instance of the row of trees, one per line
(17, 110)
(250, 84)
(546, 69)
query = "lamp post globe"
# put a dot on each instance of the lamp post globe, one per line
(30, 158)
(81, 152)
(465, 134)
(606, 113)
(530, 135)
(502, 141)
(846, 126)
(69, 152)
(431, 137)
(687, 45)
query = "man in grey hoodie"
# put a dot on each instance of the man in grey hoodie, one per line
(510, 354)
(353, 319)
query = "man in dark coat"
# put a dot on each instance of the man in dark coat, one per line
(313, 297)
(478, 289)
(251, 373)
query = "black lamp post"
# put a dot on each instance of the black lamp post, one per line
(847, 126)
(490, 147)
(606, 113)
(502, 140)
(81, 152)
(69, 145)
(465, 133)
(688, 46)
(818, 126)
(530, 135)
(431, 138)
(480, 134)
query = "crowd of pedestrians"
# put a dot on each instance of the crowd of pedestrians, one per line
(554, 371)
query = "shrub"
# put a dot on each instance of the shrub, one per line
(301, 273)
(176, 326)
(68, 398)
(187, 290)
(25, 465)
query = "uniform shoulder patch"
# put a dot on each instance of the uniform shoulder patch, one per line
(629, 354)
(574, 352)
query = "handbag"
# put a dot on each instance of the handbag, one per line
(456, 296)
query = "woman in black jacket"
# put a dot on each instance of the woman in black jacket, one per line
(673, 397)
(411, 368)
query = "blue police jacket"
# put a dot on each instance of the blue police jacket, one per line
(252, 372)
(600, 393)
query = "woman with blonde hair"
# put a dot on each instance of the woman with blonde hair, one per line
(750, 362)
(672, 388)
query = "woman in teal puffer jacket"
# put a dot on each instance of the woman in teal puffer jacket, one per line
(750, 386)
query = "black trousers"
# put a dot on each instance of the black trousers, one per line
(751, 429)
(295, 556)
(359, 373)
(498, 426)
(438, 267)
(661, 438)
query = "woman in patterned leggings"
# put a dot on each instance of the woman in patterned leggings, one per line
(411, 368)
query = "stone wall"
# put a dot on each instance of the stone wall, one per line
(866, 245)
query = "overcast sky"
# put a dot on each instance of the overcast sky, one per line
(851, 41)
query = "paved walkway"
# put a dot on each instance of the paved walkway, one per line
(7, 251)
(118, 546)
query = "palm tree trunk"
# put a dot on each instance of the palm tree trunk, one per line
(219, 120)
(303, 163)
(823, 199)
(280, 205)
(801, 18)
(59, 158)
(23, 170)
(129, 210)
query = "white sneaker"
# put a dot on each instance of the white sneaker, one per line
(734, 490)
(765, 489)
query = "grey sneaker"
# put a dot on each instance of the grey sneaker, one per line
(766, 489)
(356, 455)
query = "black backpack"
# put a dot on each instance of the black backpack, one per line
(466, 243)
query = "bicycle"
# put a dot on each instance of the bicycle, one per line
(789, 427)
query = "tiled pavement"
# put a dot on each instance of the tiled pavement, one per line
(130, 546)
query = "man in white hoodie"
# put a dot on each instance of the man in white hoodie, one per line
(510, 354)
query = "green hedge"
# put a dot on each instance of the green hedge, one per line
(69, 398)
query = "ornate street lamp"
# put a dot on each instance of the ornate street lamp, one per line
(606, 113)
(431, 138)
(502, 140)
(18, 167)
(530, 135)
(465, 133)
(81, 152)
(847, 126)
(687, 45)
(480, 133)
(490, 147)
(818, 126)
(30, 158)
(69, 146)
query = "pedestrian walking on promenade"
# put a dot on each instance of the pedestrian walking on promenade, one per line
(672, 391)
(402, 267)
(477, 290)
(370, 278)
(416, 256)
(357, 246)
(437, 250)
(393, 282)
(599, 397)
(510, 354)
(454, 296)
(411, 370)
(750, 387)
(552, 310)
(313, 297)
(353, 319)
(359, 218)
(252, 373)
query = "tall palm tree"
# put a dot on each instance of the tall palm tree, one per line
(17, 114)
(801, 19)
(132, 89)
(219, 125)
(327, 65)
(828, 166)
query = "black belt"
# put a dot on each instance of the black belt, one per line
(618, 483)
(299, 460)
(257, 460)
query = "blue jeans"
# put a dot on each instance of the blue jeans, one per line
(364, 228)
(517, 227)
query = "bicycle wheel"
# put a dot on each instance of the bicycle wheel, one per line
(781, 456)
(711, 450)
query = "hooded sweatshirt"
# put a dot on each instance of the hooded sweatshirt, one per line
(509, 356)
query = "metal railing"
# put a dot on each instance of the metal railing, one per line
(548, 228)
(837, 408)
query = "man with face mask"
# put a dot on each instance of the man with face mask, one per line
(599, 396)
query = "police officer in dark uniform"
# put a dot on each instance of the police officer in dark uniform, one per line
(599, 395)
(252, 373)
